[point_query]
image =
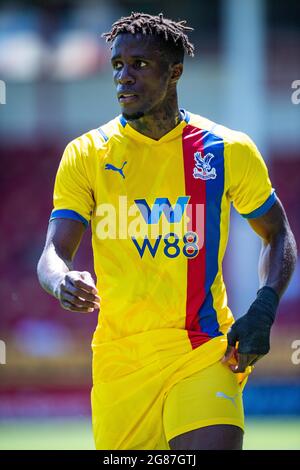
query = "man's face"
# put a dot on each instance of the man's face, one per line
(142, 76)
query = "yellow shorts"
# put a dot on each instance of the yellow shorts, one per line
(144, 409)
(211, 396)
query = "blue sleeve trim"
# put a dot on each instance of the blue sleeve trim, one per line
(101, 131)
(68, 214)
(262, 209)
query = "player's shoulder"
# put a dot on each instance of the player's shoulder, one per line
(228, 135)
(96, 139)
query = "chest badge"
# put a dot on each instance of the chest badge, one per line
(203, 169)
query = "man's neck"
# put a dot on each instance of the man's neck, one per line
(160, 122)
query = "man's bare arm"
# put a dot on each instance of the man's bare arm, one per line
(279, 253)
(75, 290)
(276, 265)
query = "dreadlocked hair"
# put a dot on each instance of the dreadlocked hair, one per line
(172, 33)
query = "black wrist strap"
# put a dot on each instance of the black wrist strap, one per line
(268, 299)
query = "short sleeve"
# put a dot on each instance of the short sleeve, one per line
(250, 188)
(73, 196)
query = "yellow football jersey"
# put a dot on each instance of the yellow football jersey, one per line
(159, 213)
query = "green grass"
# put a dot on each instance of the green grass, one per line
(272, 434)
(52, 434)
(77, 434)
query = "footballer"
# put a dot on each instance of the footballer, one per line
(169, 360)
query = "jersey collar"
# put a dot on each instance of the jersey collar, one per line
(170, 135)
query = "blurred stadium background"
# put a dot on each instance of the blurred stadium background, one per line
(55, 70)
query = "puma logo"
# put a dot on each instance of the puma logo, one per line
(223, 395)
(109, 166)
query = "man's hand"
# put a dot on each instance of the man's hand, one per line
(252, 331)
(77, 292)
(249, 335)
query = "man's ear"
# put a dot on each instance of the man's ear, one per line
(177, 70)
